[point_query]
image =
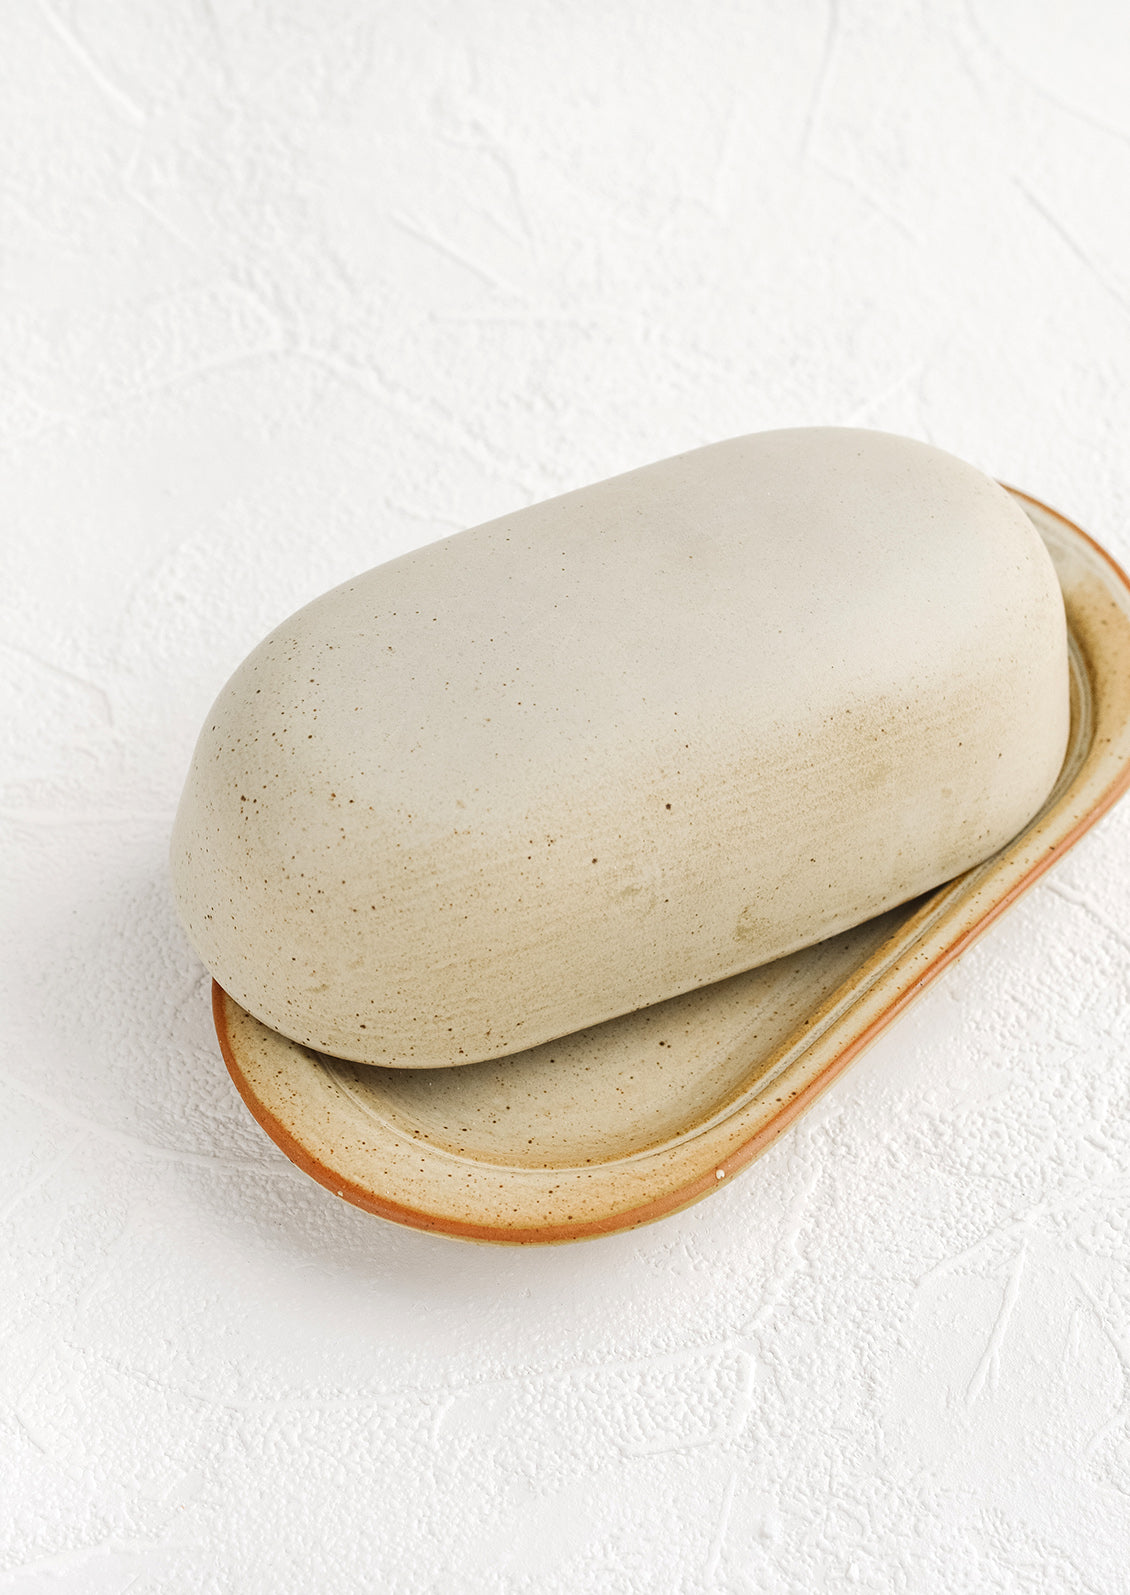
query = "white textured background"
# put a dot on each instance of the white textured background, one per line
(288, 288)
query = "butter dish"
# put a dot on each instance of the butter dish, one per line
(640, 1115)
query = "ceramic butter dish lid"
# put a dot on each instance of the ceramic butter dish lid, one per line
(621, 745)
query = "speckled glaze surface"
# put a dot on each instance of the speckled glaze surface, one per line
(615, 1126)
(622, 745)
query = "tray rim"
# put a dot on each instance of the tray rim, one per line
(797, 1101)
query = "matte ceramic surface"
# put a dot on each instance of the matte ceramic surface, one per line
(622, 745)
(632, 1119)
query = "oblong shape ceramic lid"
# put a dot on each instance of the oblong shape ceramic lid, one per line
(622, 745)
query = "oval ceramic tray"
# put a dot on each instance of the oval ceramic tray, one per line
(617, 1125)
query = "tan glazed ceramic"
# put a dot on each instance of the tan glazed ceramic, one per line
(628, 1120)
(620, 746)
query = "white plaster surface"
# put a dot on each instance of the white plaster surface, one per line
(288, 288)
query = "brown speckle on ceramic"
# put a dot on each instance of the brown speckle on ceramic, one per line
(622, 745)
(638, 1117)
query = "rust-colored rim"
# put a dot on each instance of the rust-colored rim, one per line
(693, 1190)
